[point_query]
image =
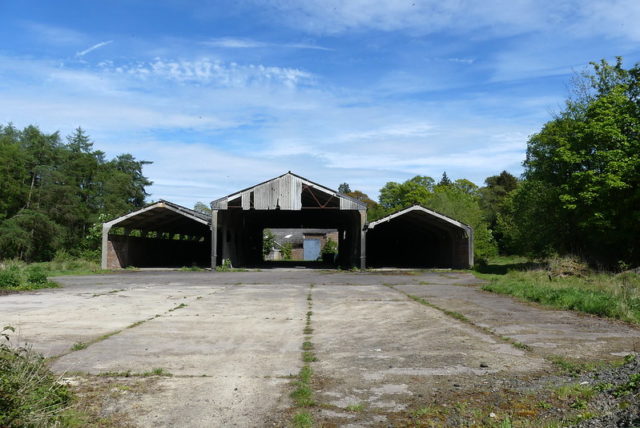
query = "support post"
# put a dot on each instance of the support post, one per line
(471, 243)
(214, 239)
(363, 239)
(105, 245)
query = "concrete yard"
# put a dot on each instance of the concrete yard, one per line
(232, 342)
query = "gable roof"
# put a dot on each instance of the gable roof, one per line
(288, 191)
(162, 216)
(420, 213)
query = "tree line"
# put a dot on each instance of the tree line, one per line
(52, 192)
(580, 190)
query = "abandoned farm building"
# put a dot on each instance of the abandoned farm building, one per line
(164, 234)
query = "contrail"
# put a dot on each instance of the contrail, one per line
(93, 48)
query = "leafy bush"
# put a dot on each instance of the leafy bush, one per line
(330, 247)
(30, 394)
(36, 275)
(10, 277)
(287, 250)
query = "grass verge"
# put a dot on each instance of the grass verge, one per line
(603, 294)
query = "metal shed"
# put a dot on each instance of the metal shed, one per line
(162, 234)
(165, 234)
(418, 237)
(287, 201)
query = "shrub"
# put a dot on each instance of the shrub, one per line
(30, 394)
(330, 247)
(36, 275)
(10, 277)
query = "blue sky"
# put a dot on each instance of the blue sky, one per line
(221, 95)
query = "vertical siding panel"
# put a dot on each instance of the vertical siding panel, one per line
(285, 191)
(246, 202)
(296, 193)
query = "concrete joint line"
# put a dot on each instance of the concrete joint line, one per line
(460, 317)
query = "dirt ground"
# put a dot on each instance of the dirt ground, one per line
(222, 349)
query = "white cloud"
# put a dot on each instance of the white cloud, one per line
(237, 43)
(214, 127)
(207, 71)
(93, 48)
(616, 18)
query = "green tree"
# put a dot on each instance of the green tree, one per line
(66, 186)
(584, 168)
(492, 197)
(344, 188)
(29, 236)
(268, 242)
(444, 181)
(202, 208)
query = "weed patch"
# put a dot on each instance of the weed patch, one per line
(303, 420)
(562, 285)
(355, 407)
(30, 395)
(78, 346)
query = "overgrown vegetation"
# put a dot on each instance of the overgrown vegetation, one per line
(53, 193)
(581, 188)
(566, 283)
(30, 395)
(19, 276)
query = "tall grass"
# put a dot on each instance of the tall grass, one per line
(18, 275)
(30, 395)
(570, 285)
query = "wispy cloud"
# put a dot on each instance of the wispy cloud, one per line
(93, 48)
(207, 71)
(54, 35)
(237, 43)
(498, 18)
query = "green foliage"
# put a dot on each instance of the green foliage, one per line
(445, 180)
(202, 208)
(631, 386)
(344, 188)
(268, 242)
(30, 236)
(303, 420)
(21, 276)
(607, 295)
(10, 277)
(52, 192)
(583, 175)
(30, 394)
(492, 198)
(330, 247)
(287, 249)
(36, 275)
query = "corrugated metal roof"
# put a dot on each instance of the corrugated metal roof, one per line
(288, 192)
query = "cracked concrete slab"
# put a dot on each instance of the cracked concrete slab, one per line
(232, 341)
(549, 332)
